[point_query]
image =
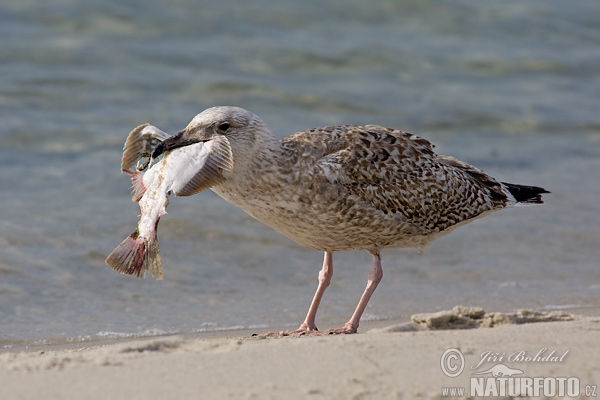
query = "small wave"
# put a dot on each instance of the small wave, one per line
(216, 328)
(561, 306)
(104, 335)
(24, 344)
(132, 335)
(205, 327)
(372, 317)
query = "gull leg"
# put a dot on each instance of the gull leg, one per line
(308, 327)
(324, 279)
(373, 280)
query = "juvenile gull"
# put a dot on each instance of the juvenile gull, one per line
(346, 188)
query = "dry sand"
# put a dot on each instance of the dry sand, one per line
(392, 362)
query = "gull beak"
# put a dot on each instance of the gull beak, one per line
(179, 140)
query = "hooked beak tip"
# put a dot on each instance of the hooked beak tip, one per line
(170, 143)
(158, 150)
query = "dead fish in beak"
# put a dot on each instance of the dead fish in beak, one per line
(184, 170)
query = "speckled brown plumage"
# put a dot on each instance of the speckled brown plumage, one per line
(362, 187)
(348, 188)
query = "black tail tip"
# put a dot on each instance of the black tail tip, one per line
(526, 194)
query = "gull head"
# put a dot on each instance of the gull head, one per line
(243, 129)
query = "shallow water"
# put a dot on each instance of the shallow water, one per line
(510, 87)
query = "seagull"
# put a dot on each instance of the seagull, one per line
(347, 187)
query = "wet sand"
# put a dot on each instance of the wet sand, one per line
(388, 361)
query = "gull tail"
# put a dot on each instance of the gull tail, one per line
(526, 194)
(136, 255)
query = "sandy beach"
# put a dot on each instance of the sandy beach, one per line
(558, 349)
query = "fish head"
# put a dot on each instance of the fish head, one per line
(241, 128)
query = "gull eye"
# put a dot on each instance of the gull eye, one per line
(223, 127)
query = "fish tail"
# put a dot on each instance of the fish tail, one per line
(137, 179)
(136, 255)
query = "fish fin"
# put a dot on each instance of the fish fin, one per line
(137, 179)
(153, 260)
(135, 255)
(141, 143)
(220, 159)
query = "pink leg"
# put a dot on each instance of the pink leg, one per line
(324, 279)
(374, 278)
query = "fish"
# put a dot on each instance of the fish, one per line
(183, 171)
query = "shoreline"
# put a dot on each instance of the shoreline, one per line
(67, 343)
(233, 333)
(384, 360)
